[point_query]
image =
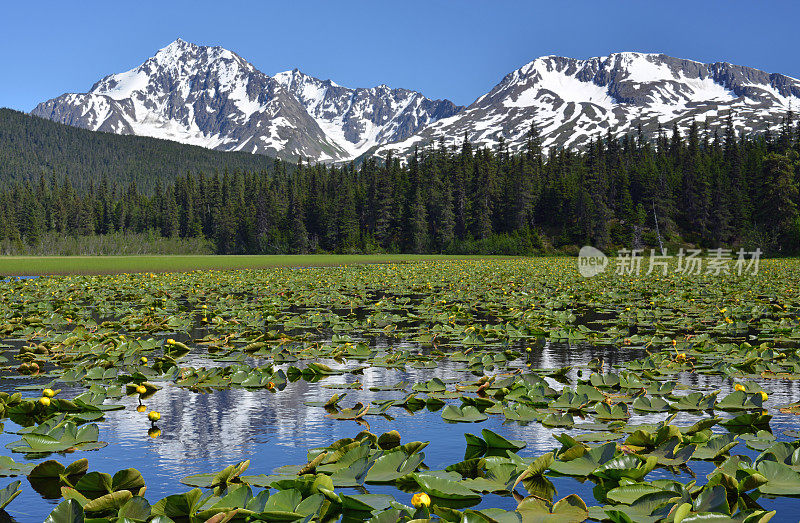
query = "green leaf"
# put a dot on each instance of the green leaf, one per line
(628, 494)
(646, 404)
(537, 468)
(127, 479)
(366, 502)
(740, 400)
(715, 447)
(178, 505)
(113, 501)
(392, 466)
(466, 414)
(781, 480)
(570, 509)
(669, 457)
(587, 463)
(95, 484)
(445, 488)
(8, 493)
(496, 441)
(136, 508)
(626, 466)
(47, 469)
(714, 499)
(8, 467)
(68, 511)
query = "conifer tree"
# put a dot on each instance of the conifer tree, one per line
(778, 212)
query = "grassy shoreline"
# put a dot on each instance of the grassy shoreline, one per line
(51, 265)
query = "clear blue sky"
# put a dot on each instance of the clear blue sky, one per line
(445, 49)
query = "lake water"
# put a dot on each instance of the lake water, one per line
(207, 432)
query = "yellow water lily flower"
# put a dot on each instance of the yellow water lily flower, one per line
(421, 499)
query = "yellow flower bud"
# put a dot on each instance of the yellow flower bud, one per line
(421, 499)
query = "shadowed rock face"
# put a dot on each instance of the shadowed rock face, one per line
(574, 101)
(362, 118)
(211, 97)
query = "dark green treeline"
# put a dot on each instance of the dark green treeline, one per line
(706, 189)
(31, 147)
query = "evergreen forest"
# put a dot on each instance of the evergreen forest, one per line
(701, 188)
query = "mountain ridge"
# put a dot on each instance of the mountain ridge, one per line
(572, 101)
(212, 97)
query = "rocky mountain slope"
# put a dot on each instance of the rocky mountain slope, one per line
(572, 101)
(212, 97)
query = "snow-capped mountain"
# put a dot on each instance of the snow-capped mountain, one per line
(358, 119)
(211, 97)
(571, 101)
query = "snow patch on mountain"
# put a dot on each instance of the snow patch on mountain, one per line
(359, 119)
(643, 68)
(574, 101)
(210, 96)
(567, 88)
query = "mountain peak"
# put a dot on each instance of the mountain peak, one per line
(212, 97)
(291, 75)
(182, 53)
(178, 43)
(573, 101)
(175, 51)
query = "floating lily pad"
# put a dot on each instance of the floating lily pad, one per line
(465, 414)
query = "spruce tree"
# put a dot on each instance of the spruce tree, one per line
(778, 210)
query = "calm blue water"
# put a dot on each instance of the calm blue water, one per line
(207, 432)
